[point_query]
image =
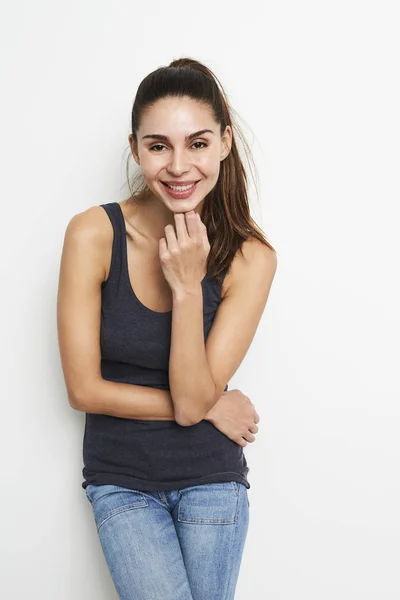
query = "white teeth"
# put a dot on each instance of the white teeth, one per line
(180, 188)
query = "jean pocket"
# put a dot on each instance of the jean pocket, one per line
(111, 500)
(209, 503)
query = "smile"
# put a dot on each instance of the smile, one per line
(180, 192)
(180, 188)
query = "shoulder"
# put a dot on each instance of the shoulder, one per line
(255, 251)
(88, 236)
(91, 224)
(254, 266)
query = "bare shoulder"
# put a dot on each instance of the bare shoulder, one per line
(91, 231)
(93, 223)
(255, 266)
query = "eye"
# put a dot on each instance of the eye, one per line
(153, 148)
(157, 146)
(199, 142)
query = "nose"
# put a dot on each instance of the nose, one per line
(179, 163)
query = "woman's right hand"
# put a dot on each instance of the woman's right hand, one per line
(235, 415)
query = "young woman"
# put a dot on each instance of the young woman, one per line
(160, 296)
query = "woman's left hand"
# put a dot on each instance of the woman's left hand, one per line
(183, 256)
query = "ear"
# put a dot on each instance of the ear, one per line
(134, 149)
(226, 142)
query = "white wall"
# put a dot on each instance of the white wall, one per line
(318, 85)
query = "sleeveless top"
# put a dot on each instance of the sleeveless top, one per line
(135, 345)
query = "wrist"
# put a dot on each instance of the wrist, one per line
(187, 295)
(210, 416)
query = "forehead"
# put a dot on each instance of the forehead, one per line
(177, 115)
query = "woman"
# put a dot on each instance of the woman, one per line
(159, 299)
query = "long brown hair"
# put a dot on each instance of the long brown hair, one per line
(226, 211)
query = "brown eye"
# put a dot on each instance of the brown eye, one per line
(157, 146)
(199, 142)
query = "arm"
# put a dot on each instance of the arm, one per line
(82, 270)
(190, 378)
(199, 372)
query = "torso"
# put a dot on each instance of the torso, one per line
(145, 272)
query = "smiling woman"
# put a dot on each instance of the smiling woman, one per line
(159, 299)
(185, 166)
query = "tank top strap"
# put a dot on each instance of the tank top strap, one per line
(118, 253)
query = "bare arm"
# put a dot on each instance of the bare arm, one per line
(190, 378)
(82, 270)
(128, 401)
(199, 372)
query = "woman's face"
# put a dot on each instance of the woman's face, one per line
(173, 148)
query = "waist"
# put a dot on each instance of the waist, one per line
(158, 450)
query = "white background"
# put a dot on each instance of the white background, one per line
(317, 84)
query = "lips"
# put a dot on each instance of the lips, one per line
(181, 194)
(178, 188)
(179, 183)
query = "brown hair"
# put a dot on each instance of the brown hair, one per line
(226, 211)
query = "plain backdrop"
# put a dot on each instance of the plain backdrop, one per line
(317, 87)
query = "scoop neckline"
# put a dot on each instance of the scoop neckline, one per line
(128, 279)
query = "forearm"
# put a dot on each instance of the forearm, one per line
(191, 383)
(126, 401)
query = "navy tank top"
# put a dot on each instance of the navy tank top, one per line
(135, 345)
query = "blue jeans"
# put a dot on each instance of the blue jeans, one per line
(184, 544)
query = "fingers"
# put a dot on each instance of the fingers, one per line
(193, 224)
(186, 225)
(249, 436)
(181, 229)
(246, 438)
(172, 242)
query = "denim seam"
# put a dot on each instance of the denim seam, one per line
(231, 521)
(123, 509)
(233, 538)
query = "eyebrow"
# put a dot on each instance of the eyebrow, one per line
(165, 138)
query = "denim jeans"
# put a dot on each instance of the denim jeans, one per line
(184, 544)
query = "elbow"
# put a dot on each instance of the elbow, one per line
(191, 413)
(75, 402)
(78, 399)
(193, 408)
(186, 420)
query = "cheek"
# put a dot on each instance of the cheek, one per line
(208, 164)
(150, 166)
